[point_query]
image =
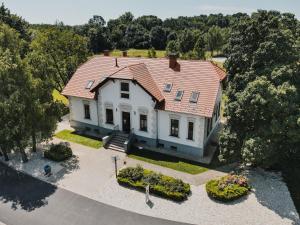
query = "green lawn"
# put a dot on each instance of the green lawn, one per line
(138, 53)
(58, 97)
(69, 135)
(167, 161)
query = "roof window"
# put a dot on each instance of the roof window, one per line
(194, 97)
(167, 87)
(89, 84)
(179, 95)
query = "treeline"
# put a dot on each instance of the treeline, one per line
(32, 64)
(189, 36)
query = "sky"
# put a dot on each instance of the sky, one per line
(74, 12)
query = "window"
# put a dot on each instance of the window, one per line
(208, 126)
(109, 116)
(124, 90)
(174, 128)
(194, 97)
(89, 84)
(167, 87)
(143, 122)
(87, 111)
(160, 145)
(174, 148)
(179, 95)
(190, 131)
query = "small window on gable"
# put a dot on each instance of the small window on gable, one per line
(89, 84)
(194, 97)
(179, 95)
(168, 87)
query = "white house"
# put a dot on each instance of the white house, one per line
(166, 104)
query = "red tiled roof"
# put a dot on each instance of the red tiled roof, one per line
(152, 75)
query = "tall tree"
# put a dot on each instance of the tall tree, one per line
(57, 54)
(214, 39)
(199, 48)
(186, 41)
(158, 37)
(263, 114)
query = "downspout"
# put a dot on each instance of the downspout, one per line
(156, 128)
(97, 94)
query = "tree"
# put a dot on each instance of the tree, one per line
(172, 47)
(57, 54)
(137, 36)
(214, 39)
(186, 41)
(158, 38)
(15, 85)
(263, 114)
(148, 22)
(199, 48)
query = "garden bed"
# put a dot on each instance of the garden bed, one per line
(160, 185)
(228, 188)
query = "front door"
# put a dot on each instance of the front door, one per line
(126, 121)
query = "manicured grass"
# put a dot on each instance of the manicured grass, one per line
(58, 97)
(71, 136)
(167, 161)
(138, 53)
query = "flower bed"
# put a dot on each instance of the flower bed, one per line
(59, 152)
(161, 185)
(228, 188)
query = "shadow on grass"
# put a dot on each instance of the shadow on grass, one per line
(23, 191)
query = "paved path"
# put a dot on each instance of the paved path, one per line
(26, 200)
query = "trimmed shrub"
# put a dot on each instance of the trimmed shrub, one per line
(228, 188)
(161, 185)
(59, 152)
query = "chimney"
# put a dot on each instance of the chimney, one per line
(106, 52)
(124, 53)
(173, 60)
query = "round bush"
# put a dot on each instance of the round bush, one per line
(59, 152)
(228, 188)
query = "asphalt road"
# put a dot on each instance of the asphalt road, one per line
(25, 200)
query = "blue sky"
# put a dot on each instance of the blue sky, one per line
(79, 11)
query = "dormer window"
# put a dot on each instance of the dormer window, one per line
(168, 87)
(194, 97)
(124, 90)
(179, 95)
(89, 84)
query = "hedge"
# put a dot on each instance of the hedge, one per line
(228, 188)
(59, 152)
(160, 185)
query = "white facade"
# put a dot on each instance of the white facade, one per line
(140, 102)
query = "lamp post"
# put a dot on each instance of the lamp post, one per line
(115, 158)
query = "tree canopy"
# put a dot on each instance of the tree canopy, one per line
(263, 114)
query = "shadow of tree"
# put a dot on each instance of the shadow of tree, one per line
(23, 191)
(272, 192)
(69, 166)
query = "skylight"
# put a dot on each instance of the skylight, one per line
(89, 84)
(194, 97)
(179, 95)
(168, 87)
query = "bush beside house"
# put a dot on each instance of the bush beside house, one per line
(161, 185)
(59, 152)
(228, 188)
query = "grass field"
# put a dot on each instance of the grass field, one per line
(69, 135)
(138, 53)
(167, 161)
(58, 97)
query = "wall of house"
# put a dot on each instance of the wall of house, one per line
(77, 110)
(215, 119)
(183, 145)
(139, 102)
